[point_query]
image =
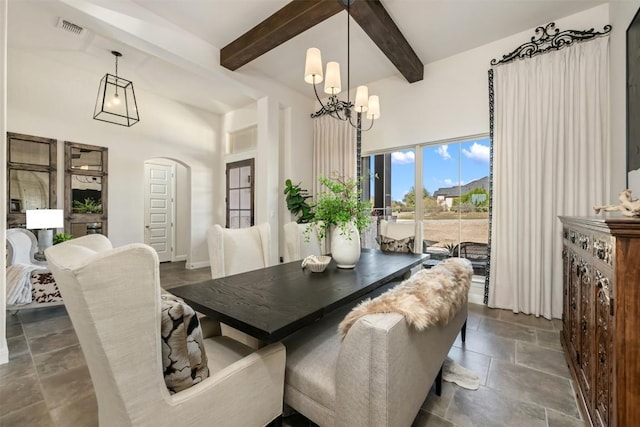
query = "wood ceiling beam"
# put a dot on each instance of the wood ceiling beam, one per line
(286, 23)
(379, 26)
(300, 15)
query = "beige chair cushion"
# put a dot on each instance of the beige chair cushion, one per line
(223, 351)
(312, 358)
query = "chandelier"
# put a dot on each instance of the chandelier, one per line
(332, 86)
(116, 101)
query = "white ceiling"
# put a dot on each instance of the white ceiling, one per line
(159, 63)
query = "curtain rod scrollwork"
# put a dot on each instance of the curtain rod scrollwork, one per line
(550, 38)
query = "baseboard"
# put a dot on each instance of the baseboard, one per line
(194, 265)
(179, 258)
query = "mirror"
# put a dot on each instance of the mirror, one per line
(29, 152)
(85, 189)
(28, 190)
(83, 228)
(86, 194)
(31, 173)
(86, 159)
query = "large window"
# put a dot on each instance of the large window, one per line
(453, 199)
(456, 203)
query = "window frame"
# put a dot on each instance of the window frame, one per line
(233, 165)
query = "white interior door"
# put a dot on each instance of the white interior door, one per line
(158, 210)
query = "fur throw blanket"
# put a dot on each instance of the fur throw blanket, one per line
(427, 298)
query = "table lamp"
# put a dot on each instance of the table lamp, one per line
(45, 220)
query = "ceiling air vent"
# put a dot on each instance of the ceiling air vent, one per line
(70, 27)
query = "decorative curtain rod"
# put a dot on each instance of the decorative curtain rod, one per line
(550, 38)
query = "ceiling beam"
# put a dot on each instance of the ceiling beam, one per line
(379, 26)
(286, 23)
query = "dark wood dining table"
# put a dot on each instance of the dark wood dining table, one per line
(273, 302)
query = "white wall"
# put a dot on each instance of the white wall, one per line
(452, 101)
(47, 98)
(284, 150)
(182, 203)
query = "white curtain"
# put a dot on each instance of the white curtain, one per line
(334, 149)
(551, 157)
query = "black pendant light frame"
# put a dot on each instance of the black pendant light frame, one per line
(105, 110)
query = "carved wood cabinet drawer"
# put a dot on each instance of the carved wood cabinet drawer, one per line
(601, 316)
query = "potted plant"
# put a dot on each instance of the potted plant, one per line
(61, 237)
(297, 202)
(339, 209)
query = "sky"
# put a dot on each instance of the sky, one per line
(445, 165)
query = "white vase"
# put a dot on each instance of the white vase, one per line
(345, 245)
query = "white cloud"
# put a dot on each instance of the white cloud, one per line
(443, 150)
(478, 152)
(403, 157)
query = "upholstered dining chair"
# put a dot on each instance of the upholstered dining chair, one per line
(22, 247)
(234, 251)
(296, 245)
(113, 300)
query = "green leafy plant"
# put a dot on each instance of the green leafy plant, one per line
(340, 204)
(61, 237)
(88, 206)
(297, 202)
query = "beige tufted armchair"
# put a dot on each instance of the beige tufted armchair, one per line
(113, 300)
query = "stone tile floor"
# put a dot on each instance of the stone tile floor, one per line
(523, 375)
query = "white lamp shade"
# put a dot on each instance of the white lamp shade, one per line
(313, 66)
(374, 108)
(45, 218)
(332, 84)
(362, 99)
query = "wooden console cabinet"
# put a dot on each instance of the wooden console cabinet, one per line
(601, 318)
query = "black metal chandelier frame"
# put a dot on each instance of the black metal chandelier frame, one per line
(336, 108)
